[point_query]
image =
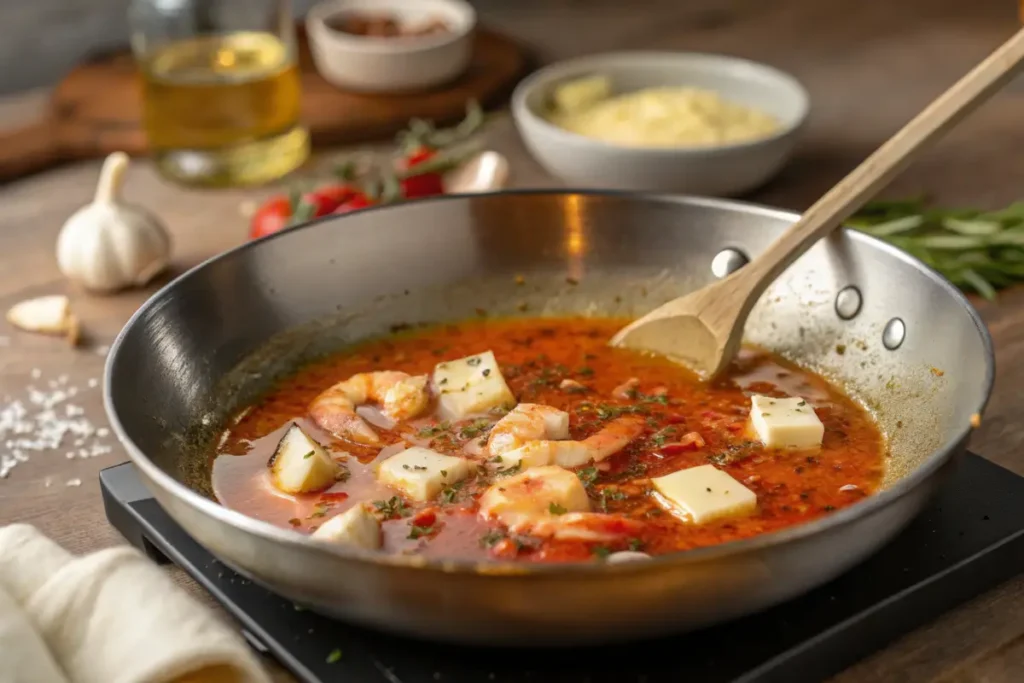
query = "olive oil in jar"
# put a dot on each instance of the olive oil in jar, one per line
(223, 109)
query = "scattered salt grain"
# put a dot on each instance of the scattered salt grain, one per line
(101, 350)
(74, 482)
(92, 383)
(43, 421)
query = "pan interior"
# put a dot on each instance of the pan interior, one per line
(217, 338)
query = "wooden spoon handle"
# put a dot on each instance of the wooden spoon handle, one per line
(863, 182)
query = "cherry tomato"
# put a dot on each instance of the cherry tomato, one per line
(359, 201)
(272, 216)
(426, 517)
(423, 185)
(330, 197)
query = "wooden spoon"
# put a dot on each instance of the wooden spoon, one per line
(703, 329)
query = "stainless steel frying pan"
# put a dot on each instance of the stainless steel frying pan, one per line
(895, 334)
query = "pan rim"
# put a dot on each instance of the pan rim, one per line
(500, 569)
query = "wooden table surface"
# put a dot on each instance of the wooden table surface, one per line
(869, 66)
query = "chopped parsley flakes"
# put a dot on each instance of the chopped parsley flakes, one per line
(421, 531)
(587, 475)
(491, 539)
(393, 507)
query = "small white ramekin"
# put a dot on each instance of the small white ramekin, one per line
(374, 64)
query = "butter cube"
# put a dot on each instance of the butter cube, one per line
(469, 386)
(785, 422)
(357, 526)
(420, 473)
(703, 494)
(301, 465)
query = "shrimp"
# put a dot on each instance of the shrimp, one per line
(402, 397)
(527, 422)
(627, 389)
(551, 502)
(611, 439)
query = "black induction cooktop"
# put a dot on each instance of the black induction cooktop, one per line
(970, 538)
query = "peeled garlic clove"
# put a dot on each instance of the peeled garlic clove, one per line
(45, 315)
(109, 244)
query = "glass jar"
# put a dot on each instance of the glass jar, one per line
(220, 88)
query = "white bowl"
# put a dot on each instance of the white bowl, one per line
(373, 64)
(713, 171)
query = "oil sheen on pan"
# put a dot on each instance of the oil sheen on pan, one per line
(533, 440)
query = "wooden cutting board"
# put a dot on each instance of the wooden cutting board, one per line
(96, 109)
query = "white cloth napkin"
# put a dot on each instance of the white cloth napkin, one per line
(24, 657)
(114, 617)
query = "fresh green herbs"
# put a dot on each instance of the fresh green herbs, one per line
(636, 545)
(309, 455)
(635, 469)
(659, 438)
(416, 531)
(393, 507)
(434, 430)
(606, 411)
(608, 494)
(449, 494)
(334, 657)
(421, 133)
(508, 471)
(475, 428)
(587, 475)
(556, 509)
(491, 539)
(600, 551)
(981, 251)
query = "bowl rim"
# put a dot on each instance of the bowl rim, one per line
(522, 112)
(319, 31)
(242, 523)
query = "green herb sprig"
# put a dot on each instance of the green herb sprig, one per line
(981, 251)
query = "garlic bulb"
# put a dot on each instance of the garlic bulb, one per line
(109, 245)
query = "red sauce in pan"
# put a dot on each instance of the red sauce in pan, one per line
(536, 355)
